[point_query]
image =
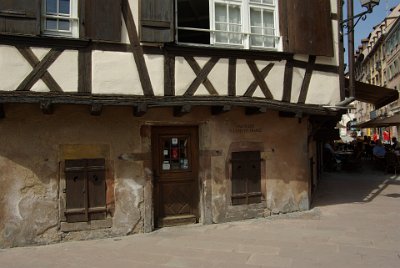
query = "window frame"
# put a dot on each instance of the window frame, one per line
(73, 19)
(245, 10)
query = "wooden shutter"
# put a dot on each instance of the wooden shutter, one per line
(246, 177)
(306, 27)
(157, 21)
(76, 207)
(96, 189)
(103, 20)
(20, 16)
(85, 190)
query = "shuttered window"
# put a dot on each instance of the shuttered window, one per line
(157, 21)
(20, 17)
(246, 177)
(88, 19)
(306, 27)
(85, 190)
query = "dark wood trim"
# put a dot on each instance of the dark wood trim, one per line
(260, 77)
(46, 106)
(334, 16)
(137, 49)
(85, 71)
(288, 81)
(161, 101)
(34, 61)
(317, 67)
(216, 110)
(232, 77)
(96, 109)
(43, 41)
(169, 75)
(201, 76)
(2, 112)
(39, 70)
(182, 110)
(307, 78)
(222, 52)
(255, 110)
(140, 109)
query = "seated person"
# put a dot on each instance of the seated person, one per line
(379, 150)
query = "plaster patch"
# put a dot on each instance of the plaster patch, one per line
(65, 71)
(219, 76)
(155, 65)
(17, 68)
(244, 77)
(40, 52)
(324, 89)
(184, 76)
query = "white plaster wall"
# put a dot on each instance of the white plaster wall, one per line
(298, 76)
(275, 78)
(219, 78)
(65, 70)
(13, 68)
(324, 89)
(115, 73)
(155, 66)
(244, 77)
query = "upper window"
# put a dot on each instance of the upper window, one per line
(235, 23)
(60, 17)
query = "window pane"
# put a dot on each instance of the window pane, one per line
(268, 19)
(51, 6)
(64, 25)
(255, 17)
(220, 13)
(51, 24)
(64, 6)
(234, 14)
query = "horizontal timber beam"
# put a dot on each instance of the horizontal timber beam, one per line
(162, 101)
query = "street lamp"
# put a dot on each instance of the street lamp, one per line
(349, 25)
(369, 4)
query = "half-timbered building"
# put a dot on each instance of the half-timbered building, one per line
(121, 116)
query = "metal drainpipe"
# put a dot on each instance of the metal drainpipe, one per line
(350, 46)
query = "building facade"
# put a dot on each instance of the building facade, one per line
(118, 117)
(376, 61)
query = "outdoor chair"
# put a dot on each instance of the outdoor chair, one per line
(392, 162)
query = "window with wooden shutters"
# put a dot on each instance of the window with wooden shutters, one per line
(246, 177)
(103, 20)
(20, 17)
(306, 27)
(85, 190)
(157, 21)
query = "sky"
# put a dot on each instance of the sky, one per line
(363, 28)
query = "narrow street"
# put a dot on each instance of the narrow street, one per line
(354, 223)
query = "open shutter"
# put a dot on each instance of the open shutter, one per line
(306, 27)
(157, 21)
(103, 20)
(20, 16)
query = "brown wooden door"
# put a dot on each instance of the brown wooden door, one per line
(175, 161)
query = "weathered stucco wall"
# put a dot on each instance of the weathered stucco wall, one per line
(33, 147)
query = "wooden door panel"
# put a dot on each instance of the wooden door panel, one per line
(175, 160)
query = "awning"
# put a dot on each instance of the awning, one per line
(378, 96)
(381, 122)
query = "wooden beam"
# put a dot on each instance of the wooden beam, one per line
(2, 112)
(39, 70)
(232, 77)
(260, 79)
(253, 86)
(140, 109)
(34, 61)
(47, 107)
(96, 109)
(201, 76)
(182, 110)
(307, 78)
(216, 110)
(137, 49)
(169, 75)
(255, 110)
(85, 71)
(287, 81)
